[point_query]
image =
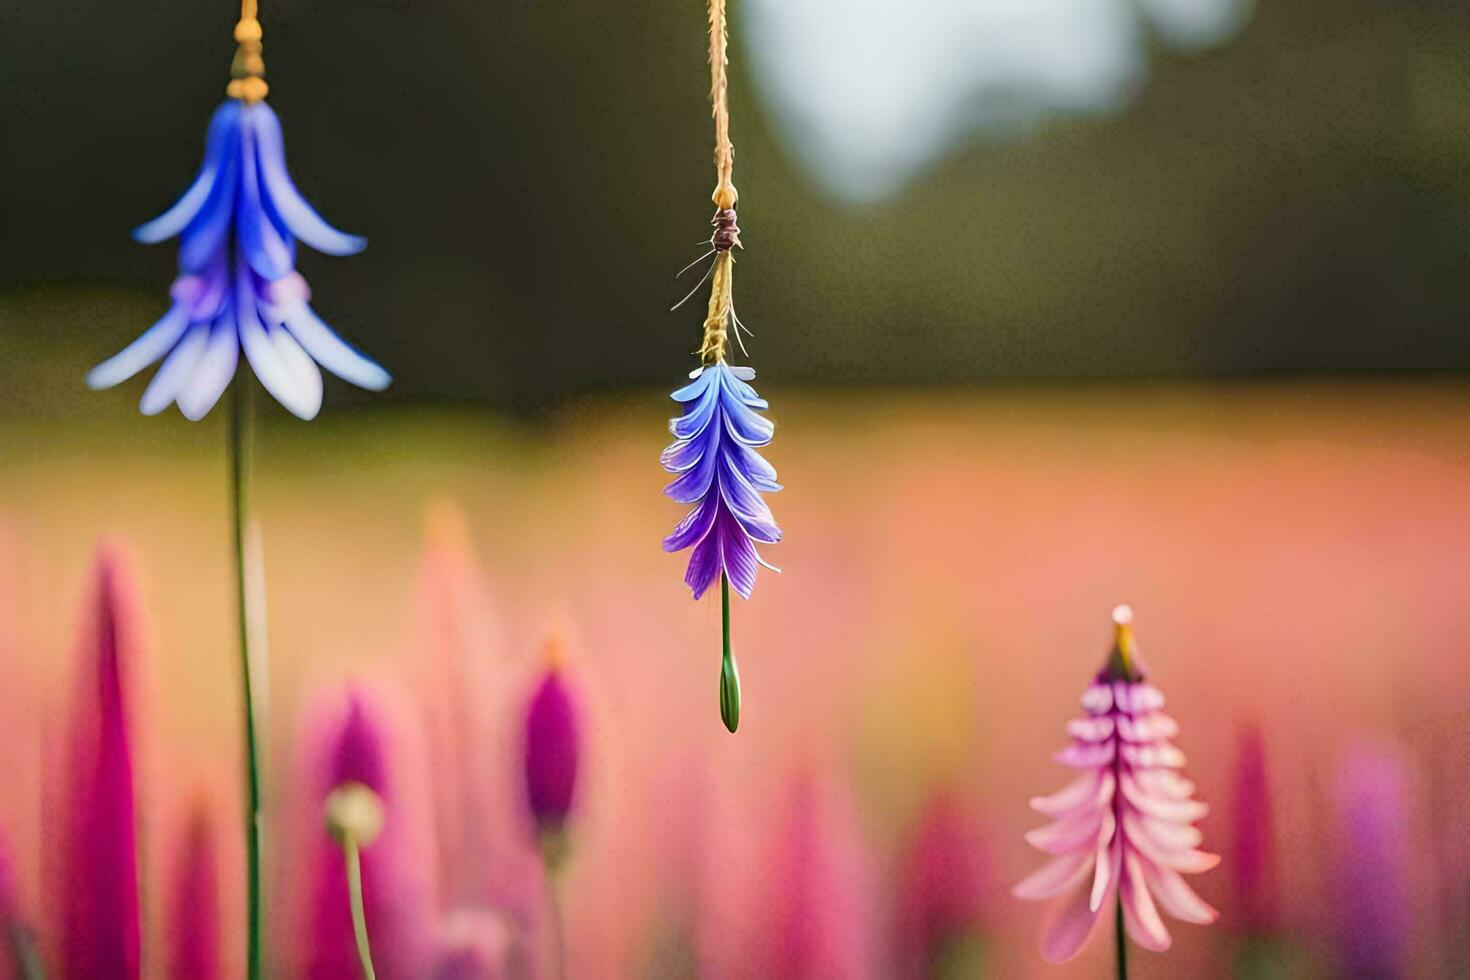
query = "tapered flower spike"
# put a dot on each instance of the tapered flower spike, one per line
(552, 747)
(101, 926)
(364, 868)
(194, 923)
(1252, 863)
(1122, 832)
(1373, 914)
(941, 893)
(715, 459)
(238, 289)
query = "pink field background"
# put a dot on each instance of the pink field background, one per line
(1295, 554)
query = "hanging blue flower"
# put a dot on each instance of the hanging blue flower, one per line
(238, 288)
(719, 470)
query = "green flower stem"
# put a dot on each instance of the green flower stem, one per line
(729, 673)
(353, 859)
(241, 441)
(1121, 941)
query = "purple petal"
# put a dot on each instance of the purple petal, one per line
(269, 253)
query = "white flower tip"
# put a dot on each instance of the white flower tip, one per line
(97, 379)
(1123, 614)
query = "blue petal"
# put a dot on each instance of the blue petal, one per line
(332, 352)
(204, 239)
(739, 557)
(694, 483)
(265, 359)
(705, 565)
(176, 371)
(745, 425)
(746, 505)
(697, 415)
(216, 146)
(695, 389)
(755, 468)
(281, 195)
(270, 254)
(211, 376)
(155, 342)
(682, 455)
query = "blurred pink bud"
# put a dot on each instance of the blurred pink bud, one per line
(193, 926)
(367, 740)
(1123, 831)
(819, 895)
(941, 892)
(551, 751)
(475, 944)
(17, 942)
(1374, 902)
(1252, 857)
(100, 932)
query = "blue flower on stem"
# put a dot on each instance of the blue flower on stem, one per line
(720, 472)
(238, 288)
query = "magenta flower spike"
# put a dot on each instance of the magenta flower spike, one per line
(100, 924)
(1122, 832)
(941, 892)
(1374, 915)
(362, 743)
(1252, 858)
(194, 922)
(819, 898)
(552, 750)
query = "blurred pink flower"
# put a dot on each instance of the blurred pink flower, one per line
(1373, 909)
(1123, 830)
(17, 942)
(475, 944)
(819, 898)
(100, 924)
(552, 748)
(1252, 859)
(363, 739)
(941, 890)
(194, 923)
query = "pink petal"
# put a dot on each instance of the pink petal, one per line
(1175, 895)
(1147, 728)
(1164, 782)
(1081, 790)
(1068, 834)
(1161, 754)
(1055, 876)
(1140, 915)
(1069, 924)
(1176, 811)
(1090, 729)
(1109, 854)
(1184, 861)
(1081, 755)
(1097, 699)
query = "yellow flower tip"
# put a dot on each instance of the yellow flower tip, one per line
(354, 812)
(247, 31)
(555, 652)
(1125, 647)
(725, 196)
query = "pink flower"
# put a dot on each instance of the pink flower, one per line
(194, 923)
(1374, 907)
(100, 927)
(1122, 830)
(941, 891)
(1252, 860)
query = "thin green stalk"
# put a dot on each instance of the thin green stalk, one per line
(241, 440)
(558, 922)
(359, 917)
(1121, 941)
(729, 673)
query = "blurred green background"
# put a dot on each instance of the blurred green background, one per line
(531, 175)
